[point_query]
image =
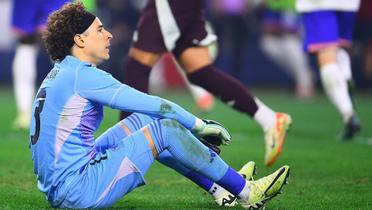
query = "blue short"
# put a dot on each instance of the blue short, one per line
(111, 175)
(28, 17)
(282, 20)
(327, 28)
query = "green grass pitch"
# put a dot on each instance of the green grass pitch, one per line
(325, 172)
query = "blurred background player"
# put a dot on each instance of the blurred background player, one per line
(179, 27)
(363, 38)
(28, 20)
(281, 42)
(328, 31)
(231, 20)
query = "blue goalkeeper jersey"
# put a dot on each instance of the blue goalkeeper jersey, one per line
(68, 109)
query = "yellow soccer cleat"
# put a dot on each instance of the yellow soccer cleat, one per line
(225, 198)
(248, 170)
(274, 137)
(264, 189)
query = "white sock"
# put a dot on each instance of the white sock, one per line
(343, 60)
(335, 86)
(244, 194)
(24, 74)
(264, 116)
(196, 91)
(216, 191)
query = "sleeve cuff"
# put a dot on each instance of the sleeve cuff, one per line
(199, 125)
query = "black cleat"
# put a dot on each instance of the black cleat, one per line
(352, 127)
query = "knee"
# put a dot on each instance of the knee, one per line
(172, 124)
(174, 133)
(141, 119)
(327, 55)
(194, 58)
(144, 57)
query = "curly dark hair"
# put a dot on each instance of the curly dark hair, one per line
(61, 28)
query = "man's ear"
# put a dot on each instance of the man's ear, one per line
(79, 41)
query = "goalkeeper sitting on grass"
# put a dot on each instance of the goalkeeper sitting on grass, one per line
(75, 170)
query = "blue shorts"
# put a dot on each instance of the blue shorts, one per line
(287, 21)
(327, 28)
(28, 17)
(111, 175)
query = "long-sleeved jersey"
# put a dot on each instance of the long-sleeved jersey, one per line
(68, 109)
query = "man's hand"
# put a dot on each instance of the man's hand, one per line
(213, 147)
(212, 132)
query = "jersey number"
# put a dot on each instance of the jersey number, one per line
(38, 109)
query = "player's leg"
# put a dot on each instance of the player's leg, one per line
(221, 196)
(200, 70)
(294, 61)
(169, 135)
(297, 62)
(24, 62)
(185, 148)
(138, 67)
(325, 46)
(275, 30)
(172, 31)
(194, 58)
(28, 21)
(113, 136)
(137, 70)
(323, 38)
(111, 173)
(334, 82)
(119, 170)
(24, 76)
(147, 47)
(346, 22)
(134, 122)
(346, 25)
(204, 100)
(281, 34)
(343, 59)
(157, 32)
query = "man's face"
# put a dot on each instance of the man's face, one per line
(97, 42)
